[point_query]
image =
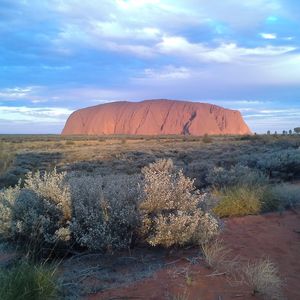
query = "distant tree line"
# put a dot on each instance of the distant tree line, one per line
(284, 132)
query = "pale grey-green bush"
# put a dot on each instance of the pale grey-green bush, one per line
(170, 208)
(283, 164)
(281, 196)
(7, 202)
(104, 211)
(287, 194)
(38, 214)
(236, 175)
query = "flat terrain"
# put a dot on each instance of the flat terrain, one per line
(128, 154)
(217, 163)
(252, 237)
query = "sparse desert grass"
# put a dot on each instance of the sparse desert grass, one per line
(263, 278)
(216, 255)
(180, 296)
(26, 281)
(240, 200)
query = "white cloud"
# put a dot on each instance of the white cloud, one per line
(133, 4)
(34, 94)
(262, 119)
(225, 52)
(15, 92)
(117, 30)
(268, 36)
(149, 28)
(168, 72)
(56, 68)
(73, 96)
(138, 50)
(289, 38)
(34, 114)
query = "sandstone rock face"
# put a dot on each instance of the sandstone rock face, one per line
(155, 117)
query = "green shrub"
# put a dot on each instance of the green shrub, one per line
(240, 200)
(170, 209)
(25, 281)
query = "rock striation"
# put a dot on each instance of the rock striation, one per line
(156, 117)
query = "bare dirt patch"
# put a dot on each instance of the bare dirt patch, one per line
(271, 235)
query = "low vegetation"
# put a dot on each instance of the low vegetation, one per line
(61, 197)
(27, 281)
(262, 277)
(281, 196)
(6, 158)
(39, 213)
(53, 211)
(216, 255)
(170, 208)
(239, 201)
(105, 215)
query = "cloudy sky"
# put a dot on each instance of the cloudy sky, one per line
(57, 56)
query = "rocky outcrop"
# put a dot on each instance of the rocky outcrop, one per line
(155, 117)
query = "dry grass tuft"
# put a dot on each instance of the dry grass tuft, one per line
(183, 296)
(218, 257)
(263, 278)
(238, 201)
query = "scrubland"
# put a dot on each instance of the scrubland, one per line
(73, 209)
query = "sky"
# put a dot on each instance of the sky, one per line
(57, 56)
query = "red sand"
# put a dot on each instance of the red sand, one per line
(269, 235)
(155, 117)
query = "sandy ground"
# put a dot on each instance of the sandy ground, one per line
(185, 276)
(271, 235)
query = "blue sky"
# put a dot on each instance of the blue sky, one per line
(57, 56)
